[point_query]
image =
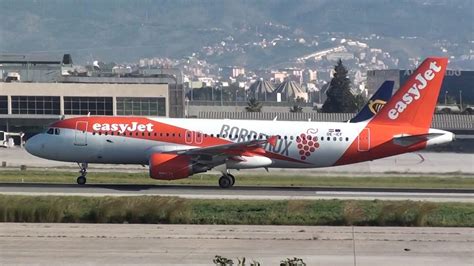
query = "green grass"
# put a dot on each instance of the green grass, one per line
(173, 210)
(266, 179)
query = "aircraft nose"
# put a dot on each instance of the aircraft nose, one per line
(33, 145)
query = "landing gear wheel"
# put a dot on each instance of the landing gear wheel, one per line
(225, 181)
(233, 178)
(81, 180)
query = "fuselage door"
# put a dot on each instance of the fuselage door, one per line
(80, 138)
(364, 140)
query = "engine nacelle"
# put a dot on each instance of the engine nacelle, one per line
(171, 166)
(248, 162)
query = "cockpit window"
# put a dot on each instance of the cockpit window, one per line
(53, 131)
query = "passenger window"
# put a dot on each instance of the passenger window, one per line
(328, 138)
(56, 131)
(334, 138)
(112, 133)
(50, 131)
(340, 138)
(291, 137)
(217, 135)
(347, 139)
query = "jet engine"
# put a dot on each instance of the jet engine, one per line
(171, 166)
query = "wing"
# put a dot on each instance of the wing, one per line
(231, 149)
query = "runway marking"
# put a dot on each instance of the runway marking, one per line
(343, 196)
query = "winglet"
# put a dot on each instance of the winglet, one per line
(272, 140)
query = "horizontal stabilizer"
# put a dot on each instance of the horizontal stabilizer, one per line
(406, 141)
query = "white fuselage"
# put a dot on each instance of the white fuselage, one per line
(329, 141)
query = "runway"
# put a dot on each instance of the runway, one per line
(240, 192)
(158, 244)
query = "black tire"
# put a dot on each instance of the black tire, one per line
(445, 111)
(225, 181)
(233, 178)
(81, 180)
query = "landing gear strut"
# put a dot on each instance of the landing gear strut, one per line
(81, 180)
(226, 180)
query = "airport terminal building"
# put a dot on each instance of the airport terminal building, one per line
(457, 84)
(29, 104)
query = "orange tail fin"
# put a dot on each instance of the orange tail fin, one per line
(415, 101)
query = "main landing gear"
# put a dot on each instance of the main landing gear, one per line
(81, 180)
(226, 180)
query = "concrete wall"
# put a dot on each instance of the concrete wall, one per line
(375, 78)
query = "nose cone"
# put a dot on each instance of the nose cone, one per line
(33, 145)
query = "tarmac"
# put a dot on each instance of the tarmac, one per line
(132, 244)
(239, 192)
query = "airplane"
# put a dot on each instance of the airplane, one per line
(375, 103)
(175, 148)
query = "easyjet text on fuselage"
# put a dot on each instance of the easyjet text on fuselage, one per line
(121, 128)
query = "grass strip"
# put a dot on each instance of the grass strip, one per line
(390, 181)
(174, 210)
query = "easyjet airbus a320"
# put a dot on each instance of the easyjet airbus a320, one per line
(179, 148)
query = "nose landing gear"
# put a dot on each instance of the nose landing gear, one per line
(81, 180)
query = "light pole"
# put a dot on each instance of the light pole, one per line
(460, 99)
(446, 97)
(186, 110)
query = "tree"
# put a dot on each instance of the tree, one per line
(254, 106)
(296, 109)
(360, 101)
(339, 96)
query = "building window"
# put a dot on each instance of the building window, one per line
(86, 105)
(35, 105)
(150, 106)
(3, 105)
